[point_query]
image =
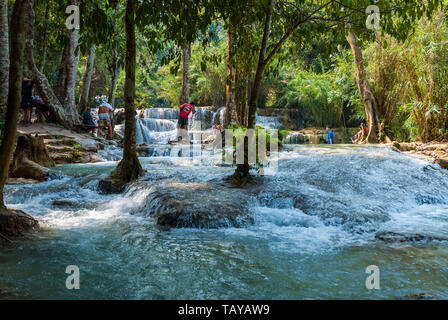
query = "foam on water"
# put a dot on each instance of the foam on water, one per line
(317, 215)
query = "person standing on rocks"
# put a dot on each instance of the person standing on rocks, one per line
(105, 113)
(330, 137)
(90, 121)
(182, 126)
(27, 102)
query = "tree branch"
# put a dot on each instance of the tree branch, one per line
(292, 29)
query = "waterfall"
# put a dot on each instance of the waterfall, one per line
(159, 125)
(142, 133)
(268, 122)
(201, 120)
(218, 116)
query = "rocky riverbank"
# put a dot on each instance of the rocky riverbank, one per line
(14, 223)
(319, 136)
(65, 146)
(437, 151)
(41, 146)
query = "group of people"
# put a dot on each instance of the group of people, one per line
(101, 121)
(361, 135)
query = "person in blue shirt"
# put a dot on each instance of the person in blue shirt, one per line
(330, 137)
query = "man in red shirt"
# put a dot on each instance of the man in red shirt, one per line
(182, 128)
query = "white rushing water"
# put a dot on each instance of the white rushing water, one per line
(316, 227)
(313, 237)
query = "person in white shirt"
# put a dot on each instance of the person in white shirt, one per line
(105, 114)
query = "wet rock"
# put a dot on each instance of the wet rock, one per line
(65, 204)
(15, 181)
(119, 117)
(110, 186)
(198, 205)
(420, 296)
(392, 237)
(144, 151)
(14, 223)
(296, 138)
(28, 169)
(443, 162)
(90, 145)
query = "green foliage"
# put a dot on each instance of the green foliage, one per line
(410, 81)
(240, 135)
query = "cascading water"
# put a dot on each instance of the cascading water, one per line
(318, 222)
(158, 126)
(268, 122)
(218, 117)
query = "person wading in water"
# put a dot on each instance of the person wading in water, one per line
(182, 127)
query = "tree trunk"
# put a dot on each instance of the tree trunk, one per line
(115, 68)
(241, 175)
(113, 85)
(129, 168)
(41, 82)
(186, 58)
(15, 90)
(62, 75)
(364, 90)
(44, 45)
(87, 80)
(256, 87)
(4, 56)
(230, 115)
(241, 94)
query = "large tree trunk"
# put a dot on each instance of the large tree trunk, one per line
(365, 90)
(12, 222)
(129, 168)
(186, 58)
(41, 82)
(87, 80)
(15, 91)
(4, 56)
(230, 115)
(59, 90)
(44, 45)
(115, 67)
